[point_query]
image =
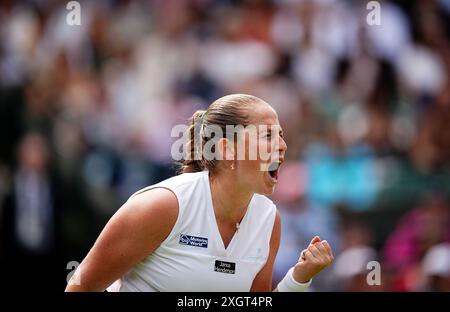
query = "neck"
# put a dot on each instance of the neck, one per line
(230, 200)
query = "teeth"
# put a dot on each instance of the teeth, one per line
(274, 166)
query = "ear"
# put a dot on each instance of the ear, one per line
(225, 149)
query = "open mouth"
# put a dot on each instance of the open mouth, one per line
(273, 170)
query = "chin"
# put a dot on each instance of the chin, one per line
(267, 191)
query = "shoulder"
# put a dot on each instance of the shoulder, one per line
(154, 209)
(144, 221)
(163, 200)
(133, 232)
(159, 200)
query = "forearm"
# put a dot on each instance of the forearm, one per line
(89, 277)
(290, 284)
(85, 287)
(80, 288)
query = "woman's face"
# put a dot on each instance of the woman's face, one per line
(264, 150)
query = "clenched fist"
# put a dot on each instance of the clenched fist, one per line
(313, 259)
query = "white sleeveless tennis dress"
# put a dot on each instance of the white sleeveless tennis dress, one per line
(193, 256)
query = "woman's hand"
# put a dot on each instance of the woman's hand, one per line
(313, 259)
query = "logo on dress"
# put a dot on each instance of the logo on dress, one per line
(225, 267)
(193, 241)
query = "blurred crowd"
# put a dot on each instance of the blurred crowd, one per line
(86, 113)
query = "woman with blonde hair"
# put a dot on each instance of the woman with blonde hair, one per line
(210, 228)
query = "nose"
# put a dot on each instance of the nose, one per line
(282, 147)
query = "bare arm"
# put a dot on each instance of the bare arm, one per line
(134, 232)
(263, 280)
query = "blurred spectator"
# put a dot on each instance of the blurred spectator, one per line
(436, 268)
(300, 220)
(31, 218)
(417, 232)
(350, 269)
(355, 257)
(365, 111)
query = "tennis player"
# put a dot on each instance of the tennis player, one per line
(210, 228)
